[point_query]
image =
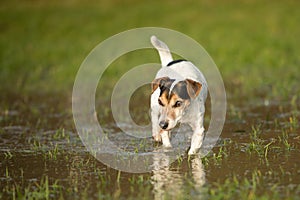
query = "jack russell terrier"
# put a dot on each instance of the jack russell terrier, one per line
(179, 91)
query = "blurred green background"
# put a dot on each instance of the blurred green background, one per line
(255, 44)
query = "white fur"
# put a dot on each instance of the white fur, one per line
(194, 114)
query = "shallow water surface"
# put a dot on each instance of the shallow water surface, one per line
(43, 157)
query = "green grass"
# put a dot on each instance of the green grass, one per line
(254, 43)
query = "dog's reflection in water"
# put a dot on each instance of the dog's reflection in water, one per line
(168, 182)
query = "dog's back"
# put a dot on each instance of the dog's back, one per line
(178, 70)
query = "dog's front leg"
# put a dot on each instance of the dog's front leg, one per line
(158, 134)
(197, 139)
(155, 127)
(165, 138)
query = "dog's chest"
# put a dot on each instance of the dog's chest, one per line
(190, 113)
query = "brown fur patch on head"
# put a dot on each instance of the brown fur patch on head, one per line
(162, 83)
(164, 97)
(172, 111)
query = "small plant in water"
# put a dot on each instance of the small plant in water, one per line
(256, 144)
(179, 159)
(284, 140)
(220, 154)
(267, 147)
(256, 131)
(8, 155)
(293, 122)
(52, 153)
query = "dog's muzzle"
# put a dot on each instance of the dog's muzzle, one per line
(164, 124)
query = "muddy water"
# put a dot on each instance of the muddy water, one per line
(42, 155)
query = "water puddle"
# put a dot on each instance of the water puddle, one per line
(41, 152)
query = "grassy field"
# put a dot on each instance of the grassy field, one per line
(255, 45)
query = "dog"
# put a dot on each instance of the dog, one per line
(179, 92)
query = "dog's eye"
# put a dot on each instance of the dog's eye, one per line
(160, 103)
(177, 104)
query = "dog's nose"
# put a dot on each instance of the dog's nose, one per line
(164, 124)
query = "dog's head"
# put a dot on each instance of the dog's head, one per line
(174, 98)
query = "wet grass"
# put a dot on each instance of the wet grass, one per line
(255, 159)
(254, 43)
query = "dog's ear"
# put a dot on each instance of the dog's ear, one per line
(193, 88)
(158, 83)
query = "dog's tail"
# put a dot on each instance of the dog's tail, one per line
(163, 50)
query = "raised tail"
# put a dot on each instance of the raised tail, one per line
(163, 50)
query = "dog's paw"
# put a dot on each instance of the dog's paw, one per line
(157, 138)
(167, 145)
(192, 151)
